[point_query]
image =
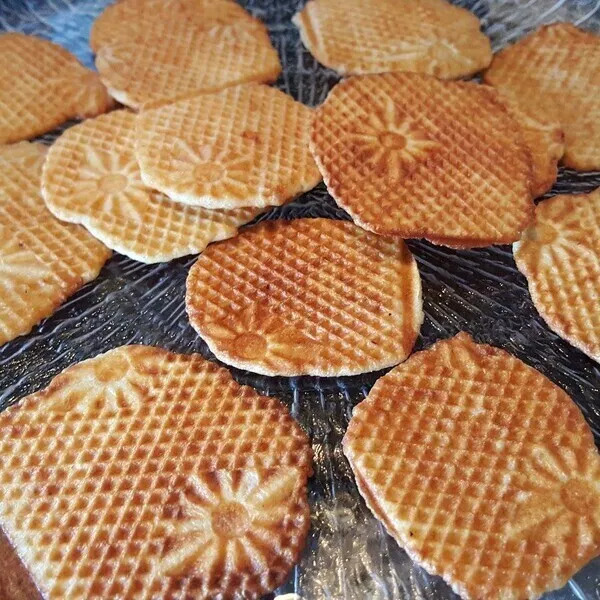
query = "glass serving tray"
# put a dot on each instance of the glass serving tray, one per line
(348, 554)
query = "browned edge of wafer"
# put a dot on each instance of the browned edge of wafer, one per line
(15, 580)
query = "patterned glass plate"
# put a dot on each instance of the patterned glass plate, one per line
(348, 554)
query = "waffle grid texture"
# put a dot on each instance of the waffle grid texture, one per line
(129, 19)
(377, 36)
(43, 86)
(91, 177)
(555, 73)
(42, 261)
(183, 60)
(560, 257)
(244, 146)
(408, 155)
(146, 474)
(308, 296)
(484, 471)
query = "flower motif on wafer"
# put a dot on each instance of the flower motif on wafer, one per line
(559, 497)
(209, 171)
(19, 266)
(112, 184)
(230, 520)
(255, 333)
(392, 144)
(108, 383)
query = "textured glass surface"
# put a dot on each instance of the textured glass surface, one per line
(348, 554)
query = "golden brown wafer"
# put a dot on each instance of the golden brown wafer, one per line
(42, 261)
(128, 19)
(306, 297)
(183, 60)
(146, 474)
(91, 177)
(375, 36)
(412, 156)
(560, 257)
(244, 146)
(43, 86)
(483, 470)
(554, 74)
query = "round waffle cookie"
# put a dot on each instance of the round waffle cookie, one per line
(306, 297)
(91, 177)
(184, 60)
(244, 146)
(560, 257)
(554, 73)
(412, 156)
(375, 36)
(42, 261)
(128, 19)
(146, 474)
(43, 86)
(483, 470)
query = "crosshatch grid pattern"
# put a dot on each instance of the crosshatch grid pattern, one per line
(348, 555)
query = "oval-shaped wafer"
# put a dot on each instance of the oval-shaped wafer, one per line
(91, 177)
(307, 297)
(554, 73)
(412, 156)
(43, 86)
(183, 60)
(128, 19)
(146, 474)
(375, 36)
(482, 469)
(42, 260)
(244, 146)
(559, 254)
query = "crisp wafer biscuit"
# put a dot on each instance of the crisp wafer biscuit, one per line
(560, 257)
(146, 474)
(91, 177)
(183, 60)
(375, 36)
(545, 141)
(42, 261)
(244, 146)
(554, 74)
(43, 86)
(482, 469)
(412, 156)
(306, 297)
(128, 19)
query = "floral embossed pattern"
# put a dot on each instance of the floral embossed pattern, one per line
(481, 468)
(390, 143)
(560, 257)
(239, 518)
(175, 481)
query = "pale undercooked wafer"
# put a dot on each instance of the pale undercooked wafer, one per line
(43, 86)
(306, 297)
(483, 470)
(375, 36)
(91, 177)
(554, 73)
(146, 474)
(243, 146)
(127, 19)
(42, 260)
(183, 60)
(560, 257)
(412, 156)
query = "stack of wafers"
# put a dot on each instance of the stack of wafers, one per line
(167, 182)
